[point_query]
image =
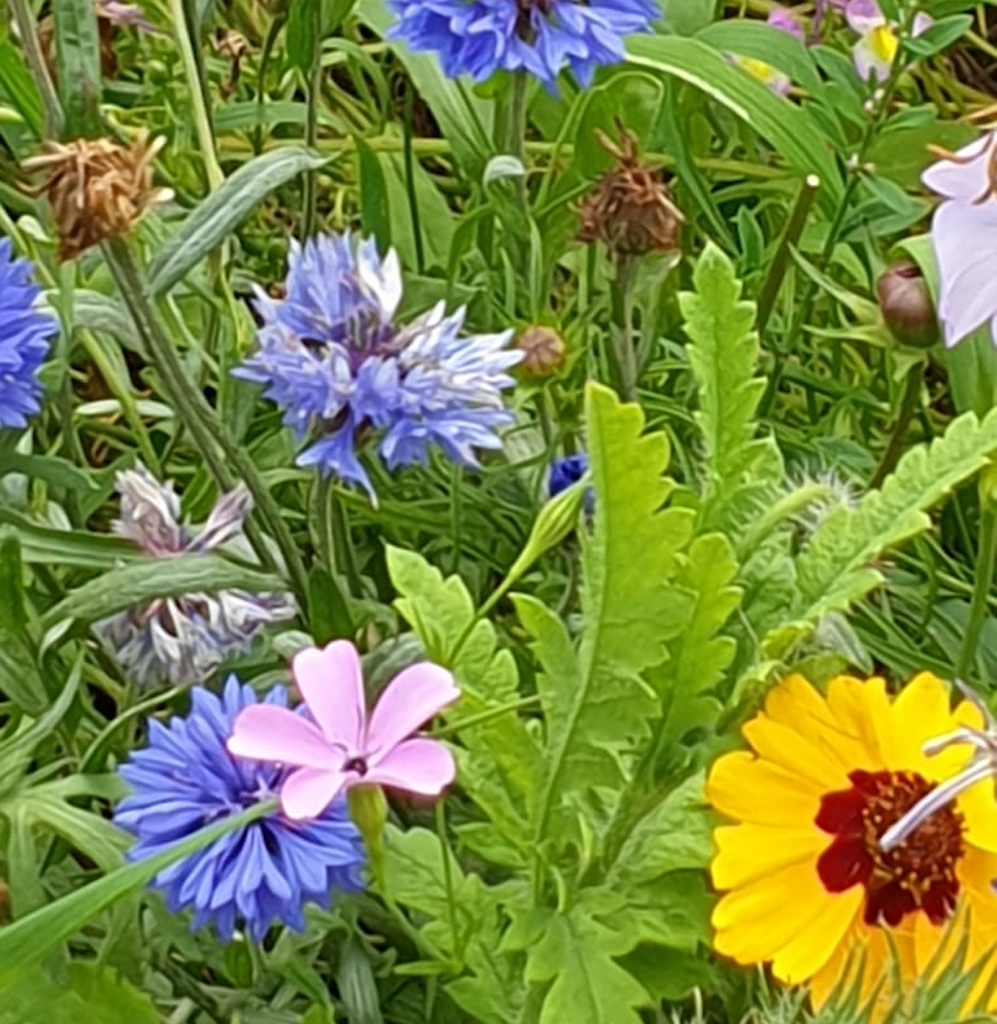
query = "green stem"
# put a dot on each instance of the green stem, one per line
(622, 350)
(908, 404)
(441, 835)
(790, 236)
(409, 161)
(268, 44)
(27, 28)
(195, 89)
(206, 428)
(309, 212)
(983, 575)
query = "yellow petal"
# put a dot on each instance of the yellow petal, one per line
(742, 786)
(783, 745)
(812, 947)
(978, 806)
(920, 712)
(746, 852)
(862, 710)
(755, 921)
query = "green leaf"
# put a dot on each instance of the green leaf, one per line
(150, 579)
(77, 56)
(90, 993)
(596, 705)
(29, 940)
(211, 222)
(502, 761)
(784, 125)
(18, 86)
(68, 547)
(834, 568)
(374, 203)
(723, 356)
(464, 120)
(576, 954)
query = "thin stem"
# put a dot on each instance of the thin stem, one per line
(908, 405)
(441, 835)
(409, 160)
(268, 44)
(983, 575)
(195, 87)
(622, 350)
(790, 236)
(309, 212)
(27, 28)
(206, 428)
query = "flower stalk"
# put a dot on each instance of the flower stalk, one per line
(209, 434)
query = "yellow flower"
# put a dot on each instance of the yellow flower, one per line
(806, 885)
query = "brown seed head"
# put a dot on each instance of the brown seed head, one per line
(97, 189)
(630, 208)
(544, 351)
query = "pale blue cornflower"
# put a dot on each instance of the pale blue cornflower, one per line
(25, 333)
(333, 357)
(258, 875)
(184, 639)
(539, 37)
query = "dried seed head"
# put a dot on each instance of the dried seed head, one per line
(630, 208)
(97, 189)
(544, 349)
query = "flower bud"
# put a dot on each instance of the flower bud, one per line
(906, 305)
(369, 811)
(544, 352)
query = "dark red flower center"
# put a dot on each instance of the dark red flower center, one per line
(919, 874)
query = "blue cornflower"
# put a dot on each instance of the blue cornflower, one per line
(565, 472)
(24, 339)
(266, 872)
(333, 357)
(541, 37)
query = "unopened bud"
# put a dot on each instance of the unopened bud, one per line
(369, 811)
(544, 352)
(906, 305)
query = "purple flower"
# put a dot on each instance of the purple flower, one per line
(184, 639)
(565, 472)
(540, 37)
(128, 15)
(333, 357)
(266, 872)
(964, 237)
(24, 339)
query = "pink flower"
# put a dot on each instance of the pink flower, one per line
(878, 43)
(964, 237)
(782, 20)
(342, 748)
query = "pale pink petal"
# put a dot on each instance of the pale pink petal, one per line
(964, 238)
(966, 177)
(268, 733)
(409, 700)
(417, 766)
(863, 16)
(922, 22)
(307, 792)
(331, 682)
(785, 21)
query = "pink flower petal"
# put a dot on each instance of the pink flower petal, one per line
(964, 238)
(331, 682)
(863, 16)
(868, 62)
(967, 177)
(308, 792)
(416, 766)
(268, 733)
(409, 700)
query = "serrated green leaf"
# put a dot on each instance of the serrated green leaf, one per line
(212, 220)
(501, 763)
(834, 568)
(597, 705)
(723, 356)
(91, 993)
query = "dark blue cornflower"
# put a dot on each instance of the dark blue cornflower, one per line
(333, 357)
(24, 339)
(565, 472)
(264, 873)
(540, 37)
